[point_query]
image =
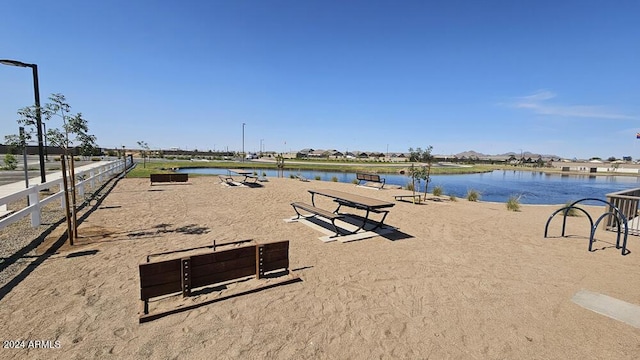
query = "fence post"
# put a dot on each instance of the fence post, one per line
(80, 185)
(34, 200)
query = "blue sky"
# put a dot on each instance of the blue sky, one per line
(550, 77)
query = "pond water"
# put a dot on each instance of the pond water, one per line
(497, 186)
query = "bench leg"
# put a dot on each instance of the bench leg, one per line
(297, 212)
(144, 306)
(335, 228)
(380, 223)
(333, 221)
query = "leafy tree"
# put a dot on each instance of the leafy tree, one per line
(418, 173)
(73, 125)
(419, 155)
(612, 158)
(75, 130)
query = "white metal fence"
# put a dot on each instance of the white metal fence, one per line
(90, 178)
(627, 201)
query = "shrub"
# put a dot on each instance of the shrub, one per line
(473, 195)
(437, 191)
(410, 186)
(334, 179)
(572, 211)
(318, 177)
(95, 159)
(291, 176)
(10, 162)
(355, 181)
(513, 204)
(264, 174)
(453, 197)
(255, 172)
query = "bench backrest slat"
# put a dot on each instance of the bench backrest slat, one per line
(368, 177)
(275, 256)
(169, 177)
(166, 277)
(160, 278)
(223, 266)
(204, 279)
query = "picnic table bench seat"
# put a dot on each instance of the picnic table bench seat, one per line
(416, 198)
(317, 212)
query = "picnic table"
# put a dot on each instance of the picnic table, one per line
(357, 202)
(248, 174)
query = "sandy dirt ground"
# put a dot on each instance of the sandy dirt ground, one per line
(457, 280)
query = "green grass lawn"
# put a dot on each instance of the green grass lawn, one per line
(156, 167)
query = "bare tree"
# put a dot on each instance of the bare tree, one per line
(145, 152)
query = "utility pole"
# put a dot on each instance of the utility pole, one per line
(243, 124)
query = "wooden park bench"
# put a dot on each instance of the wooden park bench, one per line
(314, 211)
(370, 178)
(168, 178)
(182, 275)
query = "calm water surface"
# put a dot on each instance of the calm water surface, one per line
(496, 186)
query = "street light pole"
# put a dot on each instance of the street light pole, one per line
(36, 91)
(243, 124)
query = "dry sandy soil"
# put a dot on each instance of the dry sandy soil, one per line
(458, 280)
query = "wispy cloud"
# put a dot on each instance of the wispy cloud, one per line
(538, 102)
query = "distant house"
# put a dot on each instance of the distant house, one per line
(334, 154)
(317, 154)
(304, 153)
(398, 157)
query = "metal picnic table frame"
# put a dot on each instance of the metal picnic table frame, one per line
(358, 202)
(246, 173)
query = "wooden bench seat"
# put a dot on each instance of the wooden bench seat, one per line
(317, 212)
(415, 198)
(370, 178)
